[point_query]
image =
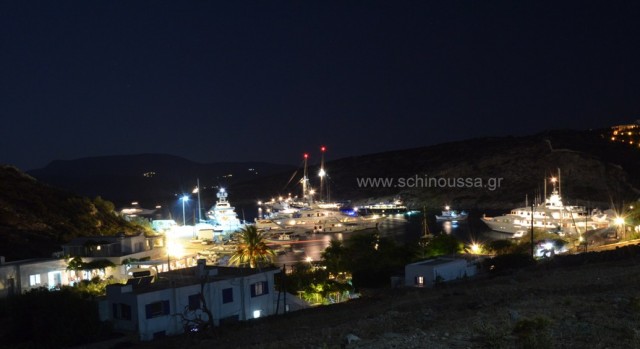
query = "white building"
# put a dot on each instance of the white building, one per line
(426, 273)
(116, 249)
(20, 276)
(171, 304)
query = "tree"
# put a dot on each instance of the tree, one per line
(442, 245)
(333, 257)
(252, 249)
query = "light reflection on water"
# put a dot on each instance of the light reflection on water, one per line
(402, 229)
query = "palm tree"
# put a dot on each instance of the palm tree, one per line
(252, 249)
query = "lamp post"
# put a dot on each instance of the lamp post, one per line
(184, 199)
(619, 221)
(196, 190)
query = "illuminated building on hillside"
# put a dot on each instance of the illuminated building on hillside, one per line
(629, 134)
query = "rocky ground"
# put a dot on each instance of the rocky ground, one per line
(594, 305)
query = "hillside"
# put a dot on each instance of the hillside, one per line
(36, 218)
(594, 172)
(148, 178)
(589, 302)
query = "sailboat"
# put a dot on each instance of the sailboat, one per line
(426, 234)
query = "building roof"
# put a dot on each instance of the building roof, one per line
(438, 261)
(100, 239)
(189, 276)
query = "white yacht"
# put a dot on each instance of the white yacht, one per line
(552, 216)
(223, 216)
(319, 220)
(394, 207)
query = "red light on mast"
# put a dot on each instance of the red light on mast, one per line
(306, 155)
(323, 148)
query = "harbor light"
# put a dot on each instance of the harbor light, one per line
(308, 259)
(184, 199)
(475, 248)
(619, 221)
(322, 173)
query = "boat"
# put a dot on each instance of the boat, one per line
(451, 215)
(223, 216)
(281, 237)
(306, 215)
(393, 207)
(552, 215)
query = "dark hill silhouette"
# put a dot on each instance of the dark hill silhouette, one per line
(595, 172)
(148, 178)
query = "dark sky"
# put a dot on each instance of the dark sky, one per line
(269, 80)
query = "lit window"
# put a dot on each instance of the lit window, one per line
(34, 280)
(259, 289)
(420, 280)
(256, 314)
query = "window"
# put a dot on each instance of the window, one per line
(34, 280)
(227, 295)
(121, 311)
(194, 301)
(420, 280)
(259, 289)
(157, 309)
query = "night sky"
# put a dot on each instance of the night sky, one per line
(268, 80)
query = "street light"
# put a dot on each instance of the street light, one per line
(184, 199)
(619, 221)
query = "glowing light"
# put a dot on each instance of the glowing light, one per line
(309, 259)
(175, 249)
(256, 314)
(476, 248)
(323, 148)
(306, 155)
(195, 190)
(322, 173)
(222, 190)
(554, 179)
(619, 221)
(184, 198)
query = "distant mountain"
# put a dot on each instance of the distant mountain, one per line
(594, 172)
(36, 218)
(148, 178)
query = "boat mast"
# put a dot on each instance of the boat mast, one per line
(304, 178)
(321, 173)
(559, 184)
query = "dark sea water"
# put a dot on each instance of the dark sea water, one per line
(403, 228)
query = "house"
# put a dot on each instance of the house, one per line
(20, 276)
(428, 272)
(117, 249)
(177, 300)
